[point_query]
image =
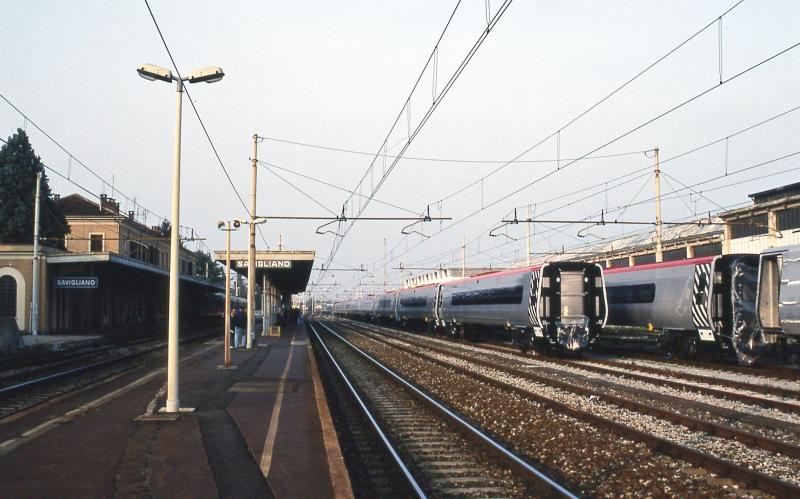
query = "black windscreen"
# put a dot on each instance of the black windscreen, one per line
(493, 296)
(413, 302)
(635, 293)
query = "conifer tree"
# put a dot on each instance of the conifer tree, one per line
(18, 168)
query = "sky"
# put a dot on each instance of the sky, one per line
(338, 75)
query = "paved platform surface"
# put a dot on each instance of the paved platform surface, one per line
(261, 430)
(57, 342)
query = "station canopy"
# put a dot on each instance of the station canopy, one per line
(288, 271)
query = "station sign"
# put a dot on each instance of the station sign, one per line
(266, 264)
(77, 282)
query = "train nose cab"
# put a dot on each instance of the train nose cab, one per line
(572, 299)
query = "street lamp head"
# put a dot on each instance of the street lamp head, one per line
(152, 72)
(210, 74)
(220, 224)
(237, 223)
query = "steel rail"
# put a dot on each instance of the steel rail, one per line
(748, 438)
(11, 389)
(723, 467)
(474, 431)
(389, 447)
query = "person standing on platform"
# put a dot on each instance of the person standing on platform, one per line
(240, 322)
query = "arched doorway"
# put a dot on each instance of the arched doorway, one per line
(12, 295)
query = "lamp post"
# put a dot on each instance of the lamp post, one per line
(208, 75)
(226, 226)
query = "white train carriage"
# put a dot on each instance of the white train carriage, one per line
(386, 308)
(707, 300)
(364, 308)
(416, 306)
(778, 301)
(560, 305)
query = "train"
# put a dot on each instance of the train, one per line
(740, 305)
(213, 308)
(557, 306)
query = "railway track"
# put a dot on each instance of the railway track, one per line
(433, 448)
(609, 409)
(48, 384)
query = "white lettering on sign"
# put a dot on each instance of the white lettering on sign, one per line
(77, 282)
(266, 264)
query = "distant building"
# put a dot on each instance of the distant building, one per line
(772, 220)
(113, 274)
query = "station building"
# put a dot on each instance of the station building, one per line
(112, 275)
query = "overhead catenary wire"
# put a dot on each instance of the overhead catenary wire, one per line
(95, 195)
(557, 133)
(666, 55)
(200, 119)
(71, 156)
(437, 100)
(268, 165)
(615, 139)
(442, 160)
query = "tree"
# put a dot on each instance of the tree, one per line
(18, 168)
(215, 272)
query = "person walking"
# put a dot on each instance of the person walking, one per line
(239, 323)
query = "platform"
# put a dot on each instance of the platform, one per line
(60, 343)
(260, 430)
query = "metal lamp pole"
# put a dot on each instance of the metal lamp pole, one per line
(208, 75)
(173, 403)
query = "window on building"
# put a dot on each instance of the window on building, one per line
(190, 268)
(8, 296)
(138, 251)
(674, 254)
(646, 258)
(95, 243)
(620, 263)
(788, 219)
(747, 227)
(154, 255)
(710, 249)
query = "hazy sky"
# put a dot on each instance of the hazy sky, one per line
(337, 74)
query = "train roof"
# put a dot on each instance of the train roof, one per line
(661, 265)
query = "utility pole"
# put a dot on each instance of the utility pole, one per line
(251, 251)
(463, 256)
(385, 271)
(36, 266)
(227, 356)
(264, 325)
(528, 239)
(659, 249)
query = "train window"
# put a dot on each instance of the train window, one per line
(413, 302)
(494, 296)
(634, 293)
(768, 291)
(717, 310)
(702, 285)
